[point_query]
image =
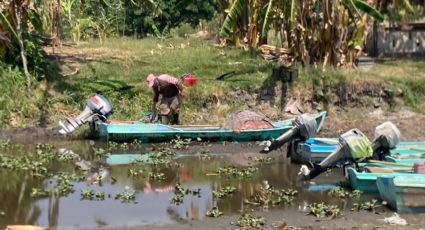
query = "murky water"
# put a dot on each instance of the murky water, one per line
(152, 203)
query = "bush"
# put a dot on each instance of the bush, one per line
(15, 104)
(183, 30)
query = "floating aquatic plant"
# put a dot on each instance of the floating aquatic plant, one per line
(368, 206)
(341, 193)
(99, 195)
(246, 172)
(126, 196)
(324, 210)
(180, 192)
(224, 191)
(156, 176)
(266, 195)
(135, 172)
(246, 220)
(263, 160)
(87, 194)
(214, 212)
(179, 143)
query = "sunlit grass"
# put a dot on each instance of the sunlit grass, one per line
(117, 68)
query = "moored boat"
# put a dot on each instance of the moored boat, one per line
(404, 193)
(365, 180)
(317, 149)
(125, 131)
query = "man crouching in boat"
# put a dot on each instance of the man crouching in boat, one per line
(171, 90)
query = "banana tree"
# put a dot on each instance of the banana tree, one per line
(314, 31)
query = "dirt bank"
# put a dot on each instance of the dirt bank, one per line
(292, 218)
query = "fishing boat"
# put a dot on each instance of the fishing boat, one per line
(364, 178)
(404, 193)
(317, 149)
(125, 131)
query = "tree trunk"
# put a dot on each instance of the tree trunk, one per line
(18, 15)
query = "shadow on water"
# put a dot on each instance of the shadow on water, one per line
(194, 168)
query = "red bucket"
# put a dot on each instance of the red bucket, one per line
(189, 80)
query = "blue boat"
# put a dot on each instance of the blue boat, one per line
(317, 149)
(126, 131)
(404, 193)
(365, 181)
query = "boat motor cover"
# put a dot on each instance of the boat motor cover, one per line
(357, 144)
(307, 124)
(247, 119)
(99, 104)
(391, 134)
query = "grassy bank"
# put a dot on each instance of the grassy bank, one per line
(118, 68)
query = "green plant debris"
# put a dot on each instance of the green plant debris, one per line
(87, 194)
(160, 158)
(368, 206)
(214, 212)
(244, 173)
(98, 152)
(263, 160)
(204, 155)
(99, 195)
(224, 191)
(247, 220)
(179, 143)
(266, 195)
(180, 192)
(341, 193)
(156, 176)
(135, 172)
(324, 210)
(126, 196)
(113, 145)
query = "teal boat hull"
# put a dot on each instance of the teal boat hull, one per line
(317, 149)
(366, 181)
(147, 133)
(404, 193)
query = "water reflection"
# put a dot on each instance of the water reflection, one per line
(152, 198)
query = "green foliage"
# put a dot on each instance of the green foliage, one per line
(324, 210)
(126, 196)
(224, 191)
(214, 212)
(247, 220)
(341, 193)
(179, 143)
(368, 206)
(180, 192)
(230, 21)
(370, 10)
(242, 173)
(266, 195)
(183, 30)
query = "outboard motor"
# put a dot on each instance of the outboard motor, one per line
(387, 136)
(305, 126)
(97, 106)
(353, 146)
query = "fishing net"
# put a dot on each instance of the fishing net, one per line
(247, 119)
